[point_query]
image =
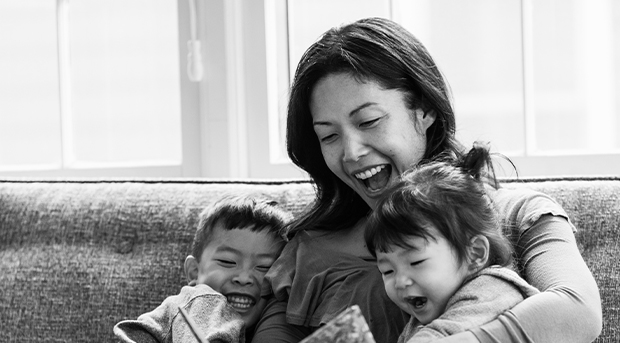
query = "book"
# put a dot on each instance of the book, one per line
(347, 327)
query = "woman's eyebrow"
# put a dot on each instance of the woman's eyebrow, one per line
(352, 113)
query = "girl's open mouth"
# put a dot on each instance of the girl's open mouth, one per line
(417, 302)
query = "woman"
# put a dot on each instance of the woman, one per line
(367, 103)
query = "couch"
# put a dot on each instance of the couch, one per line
(77, 256)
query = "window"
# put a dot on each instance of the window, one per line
(100, 87)
(90, 87)
(538, 79)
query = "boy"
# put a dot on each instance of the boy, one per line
(236, 242)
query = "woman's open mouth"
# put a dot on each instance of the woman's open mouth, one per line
(375, 178)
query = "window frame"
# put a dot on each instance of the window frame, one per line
(227, 121)
(190, 121)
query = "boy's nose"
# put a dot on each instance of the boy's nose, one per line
(243, 278)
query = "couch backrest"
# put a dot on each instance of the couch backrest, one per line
(76, 257)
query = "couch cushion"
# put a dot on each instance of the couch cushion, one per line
(76, 257)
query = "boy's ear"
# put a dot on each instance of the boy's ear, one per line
(478, 252)
(191, 270)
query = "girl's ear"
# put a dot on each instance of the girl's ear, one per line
(191, 270)
(478, 252)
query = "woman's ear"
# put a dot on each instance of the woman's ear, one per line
(424, 119)
(478, 252)
(191, 270)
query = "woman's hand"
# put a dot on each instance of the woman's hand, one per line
(461, 337)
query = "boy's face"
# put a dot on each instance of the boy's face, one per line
(234, 263)
(421, 280)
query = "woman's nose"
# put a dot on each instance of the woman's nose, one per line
(354, 148)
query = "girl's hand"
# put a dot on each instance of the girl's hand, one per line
(461, 337)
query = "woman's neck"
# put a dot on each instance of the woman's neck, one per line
(350, 241)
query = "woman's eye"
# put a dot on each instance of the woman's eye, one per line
(328, 138)
(369, 123)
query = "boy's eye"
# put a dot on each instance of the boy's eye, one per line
(226, 263)
(263, 269)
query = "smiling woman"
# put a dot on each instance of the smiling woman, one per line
(363, 130)
(367, 97)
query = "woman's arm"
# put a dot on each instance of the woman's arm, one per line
(272, 326)
(568, 309)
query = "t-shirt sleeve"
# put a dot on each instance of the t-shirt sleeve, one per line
(568, 309)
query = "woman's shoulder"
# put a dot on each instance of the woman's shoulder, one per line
(523, 206)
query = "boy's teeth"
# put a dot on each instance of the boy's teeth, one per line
(240, 301)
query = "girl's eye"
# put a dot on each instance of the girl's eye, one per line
(386, 272)
(415, 263)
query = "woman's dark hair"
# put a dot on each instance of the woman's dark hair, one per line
(371, 50)
(447, 197)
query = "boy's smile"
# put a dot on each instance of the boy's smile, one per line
(234, 263)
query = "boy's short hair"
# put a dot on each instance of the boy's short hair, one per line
(239, 212)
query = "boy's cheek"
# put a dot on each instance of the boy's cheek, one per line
(252, 317)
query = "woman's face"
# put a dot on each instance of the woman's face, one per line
(368, 136)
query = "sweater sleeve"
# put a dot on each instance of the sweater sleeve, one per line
(479, 301)
(568, 309)
(216, 321)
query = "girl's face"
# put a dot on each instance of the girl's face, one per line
(368, 136)
(422, 280)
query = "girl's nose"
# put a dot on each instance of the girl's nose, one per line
(403, 281)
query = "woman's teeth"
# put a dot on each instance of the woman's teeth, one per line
(375, 178)
(369, 173)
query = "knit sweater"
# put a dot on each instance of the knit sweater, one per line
(481, 299)
(216, 320)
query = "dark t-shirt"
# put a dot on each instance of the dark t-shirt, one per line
(319, 283)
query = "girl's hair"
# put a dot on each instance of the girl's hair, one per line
(239, 212)
(371, 50)
(447, 197)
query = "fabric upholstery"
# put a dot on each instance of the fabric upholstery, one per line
(78, 256)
